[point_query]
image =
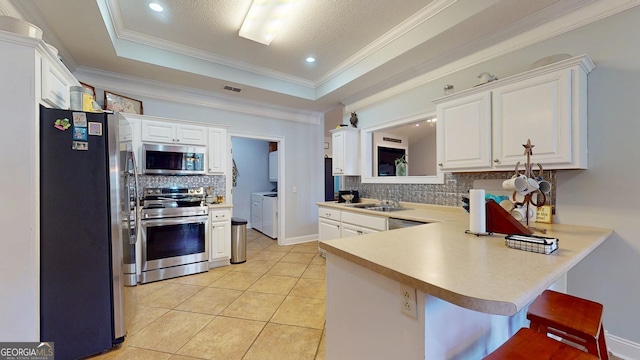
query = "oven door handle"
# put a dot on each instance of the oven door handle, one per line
(174, 221)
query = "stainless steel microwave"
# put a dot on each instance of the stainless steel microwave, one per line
(173, 159)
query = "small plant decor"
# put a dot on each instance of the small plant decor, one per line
(402, 160)
(401, 165)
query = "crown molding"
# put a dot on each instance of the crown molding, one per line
(394, 34)
(185, 95)
(29, 12)
(595, 10)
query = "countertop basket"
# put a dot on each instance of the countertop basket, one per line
(533, 243)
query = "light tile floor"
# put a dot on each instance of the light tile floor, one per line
(271, 307)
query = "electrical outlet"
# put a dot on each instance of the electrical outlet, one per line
(408, 301)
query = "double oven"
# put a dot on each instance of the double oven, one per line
(174, 232)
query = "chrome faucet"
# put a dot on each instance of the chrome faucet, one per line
(389, 202)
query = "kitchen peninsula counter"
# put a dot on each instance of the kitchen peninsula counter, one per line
(447, 266)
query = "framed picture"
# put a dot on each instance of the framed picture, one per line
(87, 86)
(121, 103)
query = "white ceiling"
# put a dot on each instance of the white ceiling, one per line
(362, 46)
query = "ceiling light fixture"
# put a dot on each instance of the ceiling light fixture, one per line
(156, 7)
(265, 19)
(311, 59)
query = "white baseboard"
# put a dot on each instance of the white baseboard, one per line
(298, 240)
(623, 348)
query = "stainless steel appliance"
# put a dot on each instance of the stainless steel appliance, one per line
(175, 229)
(395, 223)
(87, 234)
(173, 159)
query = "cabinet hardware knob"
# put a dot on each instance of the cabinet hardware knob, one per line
(496, 160)
(440, 164)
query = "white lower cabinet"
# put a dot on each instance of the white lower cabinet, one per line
(329, 225)
(328, 229)
(354, 224)
(334, 224)
(220, 243)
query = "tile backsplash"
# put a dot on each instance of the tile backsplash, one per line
(218, 182)
(456, 185)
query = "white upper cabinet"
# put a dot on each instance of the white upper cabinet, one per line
(464, 133)
(273, 166)
(56, 82)
(167, 132)
(484, 128)
(217, 151)
(346, 151)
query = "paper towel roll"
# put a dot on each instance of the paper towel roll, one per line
(477, 211)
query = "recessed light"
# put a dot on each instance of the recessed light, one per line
(156, 7)
(311, 59)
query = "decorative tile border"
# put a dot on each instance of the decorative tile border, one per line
(450, 193)
(218, 182)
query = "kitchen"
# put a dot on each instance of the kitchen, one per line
(577, 201)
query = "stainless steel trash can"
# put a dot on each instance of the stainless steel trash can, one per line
(238, 240)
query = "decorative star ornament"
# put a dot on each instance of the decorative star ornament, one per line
(528, 148)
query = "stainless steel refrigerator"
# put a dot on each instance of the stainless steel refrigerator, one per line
(87, 231)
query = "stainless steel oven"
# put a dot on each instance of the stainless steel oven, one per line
(175, 230)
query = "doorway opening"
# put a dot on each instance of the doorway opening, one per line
(257, 168)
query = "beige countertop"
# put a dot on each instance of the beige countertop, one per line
(478, 273)
(219, 206)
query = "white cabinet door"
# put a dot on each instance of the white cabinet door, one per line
(135, 136)
(368, 231)
(346, 151)
(220, 235)
(158, 131)
(350, 230)
(328, 229)
(55, 85)
(538, 109)
(338, 153)
(217, 151)
(192, 135)
(464, 132)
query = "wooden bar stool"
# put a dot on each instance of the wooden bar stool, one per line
(571, 318)
(527, 344)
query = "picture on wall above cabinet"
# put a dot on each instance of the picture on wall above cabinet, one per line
(91, 88)
(121, 103)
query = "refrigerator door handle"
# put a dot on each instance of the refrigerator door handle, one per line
(137, 199)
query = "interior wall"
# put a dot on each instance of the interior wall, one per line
(423, 156)
(252, 159)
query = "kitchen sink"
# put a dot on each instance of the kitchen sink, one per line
(363, 206)
(378, 207)
(387, 208)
